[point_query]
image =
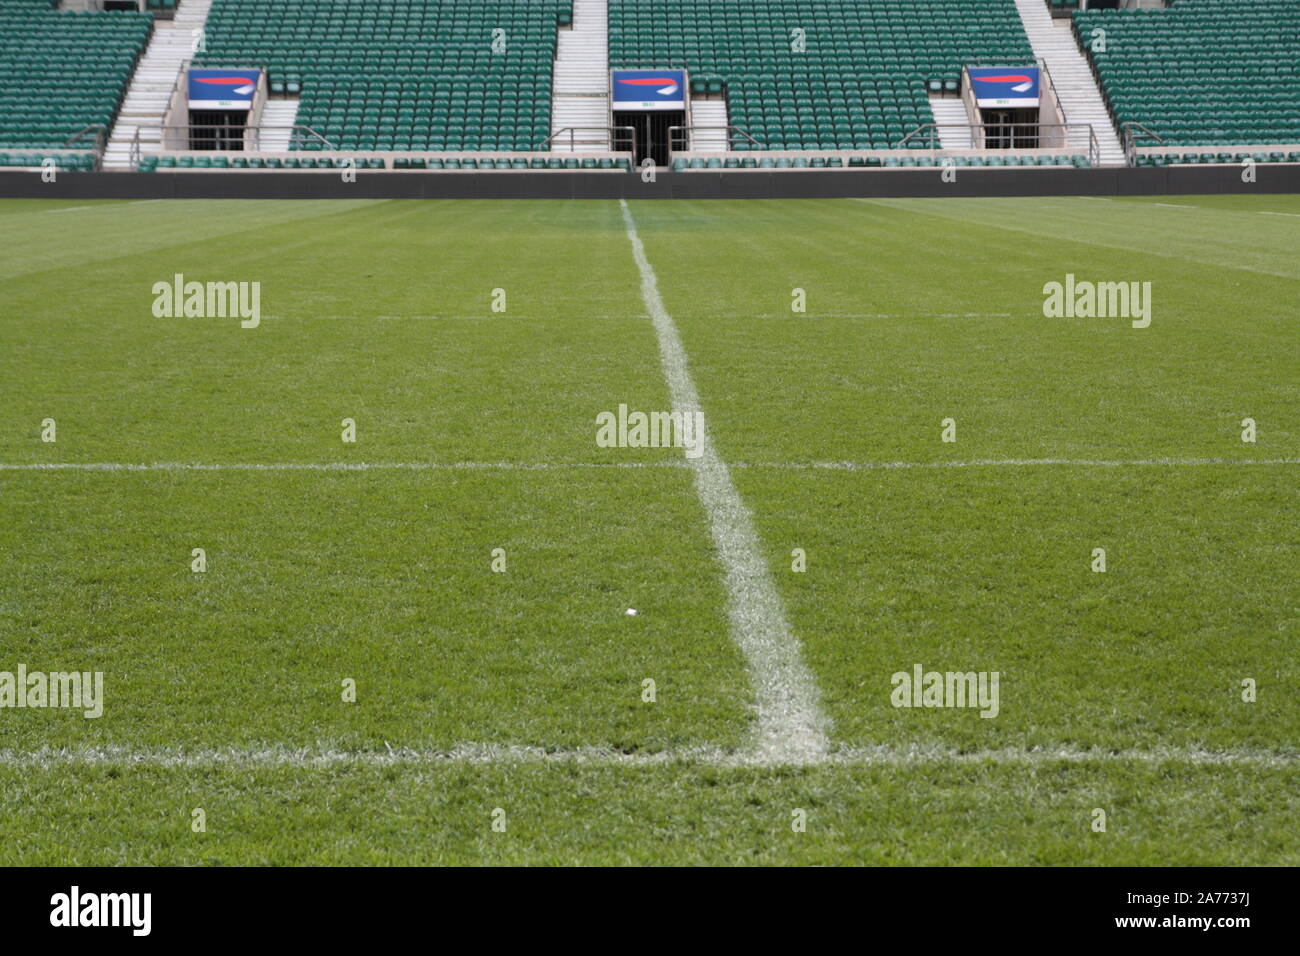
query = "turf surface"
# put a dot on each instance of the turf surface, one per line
(918, 310)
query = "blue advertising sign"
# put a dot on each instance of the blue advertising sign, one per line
(649, 90)
(223, 89)
(1004, 86)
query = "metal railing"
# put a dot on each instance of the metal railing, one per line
(175, 97)
(1050, 84)
(1132, 133)
(609, 139)
(225, 138)
(100, 132)
(685, 147)
(1004, 136)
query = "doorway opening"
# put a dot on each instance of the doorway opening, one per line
(217, 129)
(1010, 128)
(651, 133)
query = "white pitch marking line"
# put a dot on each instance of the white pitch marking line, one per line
(338, 466)
(1175, 205)
(1293, 215)
(791, 726)
(888, 315)
(1018, 463)
(108, 466)
(69, 209)
(495, 754)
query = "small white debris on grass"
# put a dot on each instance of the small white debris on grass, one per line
(631, 612)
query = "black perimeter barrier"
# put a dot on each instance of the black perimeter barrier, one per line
(728, 184)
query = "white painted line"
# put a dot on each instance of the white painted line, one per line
(519, 317)
(339, 466)
(113, 466)
(791, 726)
(1018, 463)
(305, 758)
(1293, 215)
(881, 315)
(69, 209)
(1175, 205)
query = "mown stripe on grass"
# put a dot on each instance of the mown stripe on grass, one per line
(1021, 463)
(665, 463)
(1201, 238)
(492, 754)
(791, 726)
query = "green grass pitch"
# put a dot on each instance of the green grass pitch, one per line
(372, 561)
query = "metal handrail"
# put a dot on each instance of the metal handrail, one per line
(228, 129)
(931, 131)
(690, 129)
(101, 140)
(1130, 139)
(588, 129)
(1051, 83)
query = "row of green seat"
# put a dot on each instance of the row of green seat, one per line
(802, 74)
(1178, 159)
(69, 161)
(402, 74)
(151, 163)
(537, 163)
(682, 164)
(1202, 72)
(62, 71)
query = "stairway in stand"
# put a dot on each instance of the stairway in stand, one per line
(1076, 89)
(145, 105)
(580, 88)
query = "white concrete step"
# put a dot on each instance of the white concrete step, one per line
(706, 116)
(278, 118)
(580, 82)
(950, 113)
(149, 94)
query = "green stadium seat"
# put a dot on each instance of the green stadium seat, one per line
(1202, 72)
(413, 75)
(64, 71)
(879, 55)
